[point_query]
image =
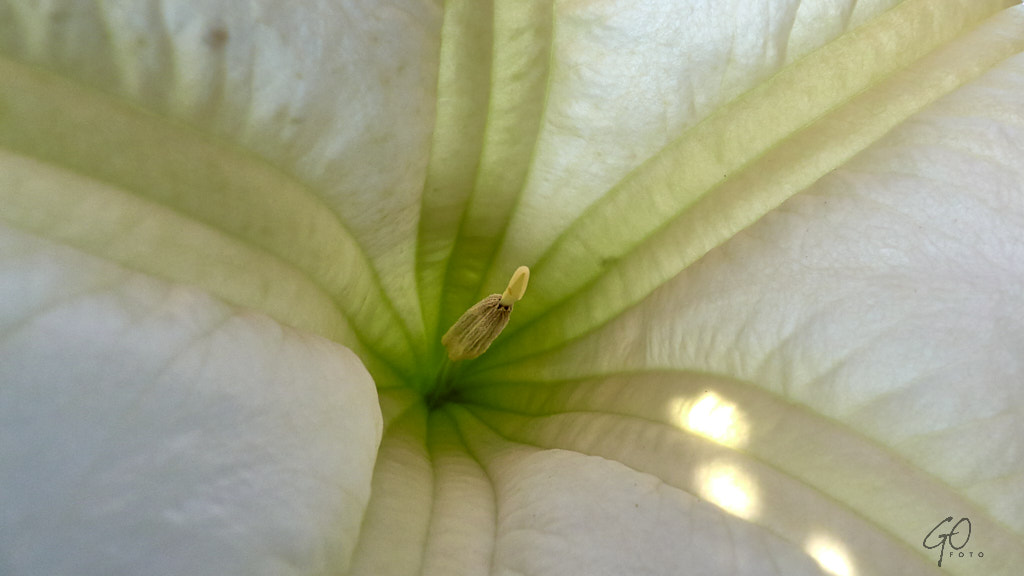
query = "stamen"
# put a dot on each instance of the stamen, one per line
(473, 332)
(516, 286)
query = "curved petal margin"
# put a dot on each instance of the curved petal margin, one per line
(146, 428)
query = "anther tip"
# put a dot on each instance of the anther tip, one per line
(516, 286)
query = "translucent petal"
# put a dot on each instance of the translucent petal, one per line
(149, 429)
(869, 326)
(321, 90)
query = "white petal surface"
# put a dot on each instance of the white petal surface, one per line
(451, 497)
(148, 429)
(701, 380)
(561, 512)
(884, 301)
(628, 78)
(325, 90)
(750, 156)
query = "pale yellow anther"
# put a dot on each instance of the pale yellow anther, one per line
(516, 286)
(474, 331)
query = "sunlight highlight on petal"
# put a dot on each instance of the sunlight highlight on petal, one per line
(831, 555)
(730, 488)
(714, 418)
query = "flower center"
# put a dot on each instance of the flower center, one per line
(473, 333)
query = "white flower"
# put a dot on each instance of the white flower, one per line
(774, 323)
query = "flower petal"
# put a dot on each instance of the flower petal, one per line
(323, 91)
(561, 512)
(148, 429)
(868, 332)
(747, 158)
(491, 95)
(574, 95)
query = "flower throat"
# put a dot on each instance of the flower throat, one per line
(472, 334)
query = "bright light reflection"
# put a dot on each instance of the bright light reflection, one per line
(714, 418)
(830, 555)
(729, 488)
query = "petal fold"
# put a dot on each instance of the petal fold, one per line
(741, 162)
(885, 298)
(146, 428)
(323, 91)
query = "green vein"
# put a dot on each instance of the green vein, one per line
(825, 454)
(518, 84)
(463, 95)
(747, 159)
(396, 522)
(86, 132)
